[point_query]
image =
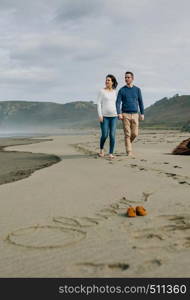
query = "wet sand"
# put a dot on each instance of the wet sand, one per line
(18, 165)
(68, 220)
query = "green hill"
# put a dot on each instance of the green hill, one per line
(171, 112)
(186, 127)
(26, 114)
(166, 113)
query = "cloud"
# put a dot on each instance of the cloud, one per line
(74, 12)
(63, 49)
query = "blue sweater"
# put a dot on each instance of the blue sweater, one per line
(129, 99)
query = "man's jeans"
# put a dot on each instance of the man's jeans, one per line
(130, 127)
(108, 127)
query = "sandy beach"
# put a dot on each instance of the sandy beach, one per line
(16, 165)
(68, 219)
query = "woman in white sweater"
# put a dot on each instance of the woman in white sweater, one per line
(106, 106)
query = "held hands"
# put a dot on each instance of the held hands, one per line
(101, 119)
(141, 117)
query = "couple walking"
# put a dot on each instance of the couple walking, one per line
(124, 106)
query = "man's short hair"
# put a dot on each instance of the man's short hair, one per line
(131, 73)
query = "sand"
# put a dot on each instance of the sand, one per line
(16, 165)
(68, 220)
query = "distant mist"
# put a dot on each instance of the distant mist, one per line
(41, 118)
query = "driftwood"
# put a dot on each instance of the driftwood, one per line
(183, 148)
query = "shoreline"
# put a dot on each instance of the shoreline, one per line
(17, 165)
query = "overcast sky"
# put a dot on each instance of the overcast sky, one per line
(61, 50)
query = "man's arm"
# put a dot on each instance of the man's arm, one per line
(118, 104)
(141, 105)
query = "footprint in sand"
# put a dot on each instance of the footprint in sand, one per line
(180, 221)
(142, 169)
(82, 149)
(168, 174)
(150, 235)
(177, 229)
(133, 165)
(149, 265)
(173, 175)
(103, 266)
(172, 235)
(187, 242)
(184, 182)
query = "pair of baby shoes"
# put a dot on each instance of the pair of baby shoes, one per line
(138, 211)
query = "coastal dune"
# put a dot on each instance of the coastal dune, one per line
(69, 219)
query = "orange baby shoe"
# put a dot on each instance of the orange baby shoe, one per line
(131, 212)
(141, 211)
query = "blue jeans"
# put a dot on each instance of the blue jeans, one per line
(108, 127)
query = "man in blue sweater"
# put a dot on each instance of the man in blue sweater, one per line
(129, 100)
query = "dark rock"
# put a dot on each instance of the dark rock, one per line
(183, 148)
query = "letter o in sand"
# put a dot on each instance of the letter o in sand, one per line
(45, 237)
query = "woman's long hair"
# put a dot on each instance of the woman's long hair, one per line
(113, 79)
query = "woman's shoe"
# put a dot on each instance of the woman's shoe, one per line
(131, 212)
(111, 156)
(141, 211)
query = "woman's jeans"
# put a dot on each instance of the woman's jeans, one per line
(108, 127)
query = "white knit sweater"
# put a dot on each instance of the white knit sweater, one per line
(106, 103)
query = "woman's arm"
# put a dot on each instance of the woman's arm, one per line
(99, 105)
